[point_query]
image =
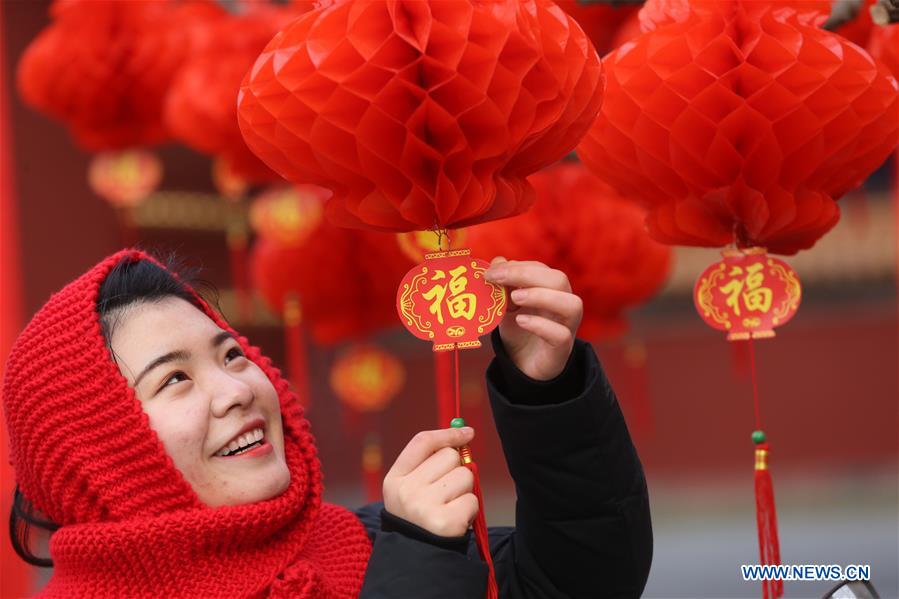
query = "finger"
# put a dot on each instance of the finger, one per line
(463, 509)
(497, 260)
(528, 274)
(453, 484)
(436, 466)
(554, 333)
(424, 444)
(565, 307)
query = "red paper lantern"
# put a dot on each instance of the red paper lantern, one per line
(367, 378)
(883, 44)
(200, 108)
(421, 114)
(103, 67)
(345, 280)
(596, 237)
(287, 216)
(747, 294)
(124, 179)
(741, 122)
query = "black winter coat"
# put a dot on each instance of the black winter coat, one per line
(582, 514)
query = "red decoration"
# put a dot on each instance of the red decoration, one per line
(447, 301)
(600, 20)
(741, 121)
(103, 67)
(124, 179)
(884, 46)
(201, 110)
(367, 378)
(747, 294)
(588, 231)
(232, 186)
(288, 215)
(416, 244)
(345, 280)
(421, 114)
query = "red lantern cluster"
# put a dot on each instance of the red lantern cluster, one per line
(345, 280)
(421, 114)
(597, 238)
(741, 121)
(103, 67)
(201, 109)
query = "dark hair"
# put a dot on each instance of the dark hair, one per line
(129, 283)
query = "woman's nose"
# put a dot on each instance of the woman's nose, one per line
(228, 392)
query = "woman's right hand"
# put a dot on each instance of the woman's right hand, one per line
(429, 487)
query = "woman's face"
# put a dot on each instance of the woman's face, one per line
(215, 411)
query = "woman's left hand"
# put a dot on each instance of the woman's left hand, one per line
(542, 317)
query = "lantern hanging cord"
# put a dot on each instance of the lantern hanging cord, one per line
(441, 233)
(456, 368)
(755, 385)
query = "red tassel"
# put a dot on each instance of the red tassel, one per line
(480, 524)
(766, 517)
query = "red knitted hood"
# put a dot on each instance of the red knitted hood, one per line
(85, 456)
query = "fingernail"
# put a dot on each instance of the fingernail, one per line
(467, 430)
(522, 318)
(519, 295)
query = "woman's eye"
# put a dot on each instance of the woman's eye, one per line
(234, 353)
(168, 381)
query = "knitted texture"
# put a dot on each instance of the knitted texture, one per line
(132, 526)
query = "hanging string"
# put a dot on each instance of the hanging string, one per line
(765, 512)
(480, 521)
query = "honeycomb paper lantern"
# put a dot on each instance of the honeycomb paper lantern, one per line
(741, 122)
(421, 114)
(582, 227)
(201, 110)
(103, 67)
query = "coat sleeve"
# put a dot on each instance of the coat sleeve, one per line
(409, 562)
(582, 517)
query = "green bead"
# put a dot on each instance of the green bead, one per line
(457, 423)
(758, 437)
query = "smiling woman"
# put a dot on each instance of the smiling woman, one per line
(215, 411)
(169, 458)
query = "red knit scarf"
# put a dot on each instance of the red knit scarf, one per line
(283, 547)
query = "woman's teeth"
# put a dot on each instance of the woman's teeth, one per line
(241, 443)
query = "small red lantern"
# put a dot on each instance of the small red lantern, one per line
(124, 179)
(447, 301)
(367, 378)
(288, 215)
(747, 294)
